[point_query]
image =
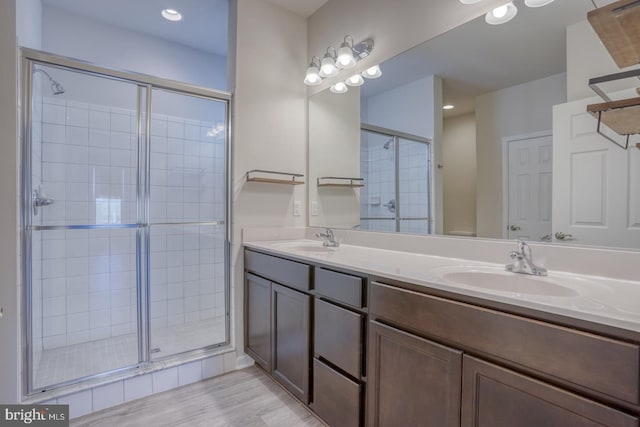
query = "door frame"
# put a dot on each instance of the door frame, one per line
(505, 171)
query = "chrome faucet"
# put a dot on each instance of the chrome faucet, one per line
(524, 262)
(328, 238)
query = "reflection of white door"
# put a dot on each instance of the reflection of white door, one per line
(529, 187)
(596, 185)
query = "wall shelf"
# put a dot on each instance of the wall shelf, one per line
(336, 181)
(274, 177)
(621, 116)
(618, 26)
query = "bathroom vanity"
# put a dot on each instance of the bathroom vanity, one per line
(380, 338)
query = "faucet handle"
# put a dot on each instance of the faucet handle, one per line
(514, 254)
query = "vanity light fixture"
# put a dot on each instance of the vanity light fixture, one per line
(313, 77)
(448, 107)
(537, 3)
(372, 73)
(345, 58)
(328, 66)
(171, 15)
(355, 80)
(501, 14)
(333, 62)
(339, 87)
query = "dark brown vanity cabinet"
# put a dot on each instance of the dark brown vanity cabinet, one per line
(412, 381)
(545, 367)
(338, 365)
(278, 319)
(291, 335)
(258, 320)
(494, 396)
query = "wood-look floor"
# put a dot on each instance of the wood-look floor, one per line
(242, 398)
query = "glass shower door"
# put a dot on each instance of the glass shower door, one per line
(81, 225)
(378, 196)
(414, 186)
(187, 210)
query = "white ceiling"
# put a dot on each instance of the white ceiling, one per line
(477, 58)
(304, 8)
(204, 25)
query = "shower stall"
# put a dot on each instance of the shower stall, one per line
(397, 169)
(125, 219)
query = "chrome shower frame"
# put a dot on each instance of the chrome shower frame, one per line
(394, 139)
(145, 85)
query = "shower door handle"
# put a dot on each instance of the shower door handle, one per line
(39, 201)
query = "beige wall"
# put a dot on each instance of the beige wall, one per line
(394, 26)
(270, 125)
(459, 174)
(334, 150)
(588, 58)
(9, 226)
(518, 110)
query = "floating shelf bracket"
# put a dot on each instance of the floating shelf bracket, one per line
(330, 181)
(272, 180)
(622, 116)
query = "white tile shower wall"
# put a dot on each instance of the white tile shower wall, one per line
(378, 167)
(88, 167)
(414, 186)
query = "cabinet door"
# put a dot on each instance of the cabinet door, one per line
(413, 381)
(291, 312)
(493, 396)
(257, 297)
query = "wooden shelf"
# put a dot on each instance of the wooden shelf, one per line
(274, 180)
(623, 116)
(337, 181)
(342, 185)
(618, 26)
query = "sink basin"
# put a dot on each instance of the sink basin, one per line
(493, 279)
(305, 246)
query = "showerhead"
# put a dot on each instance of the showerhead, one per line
(388, 144)
(56, 88)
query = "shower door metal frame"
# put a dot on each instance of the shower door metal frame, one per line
(30, 57)
(397, 136)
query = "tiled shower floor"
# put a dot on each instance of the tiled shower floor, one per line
(80, 360)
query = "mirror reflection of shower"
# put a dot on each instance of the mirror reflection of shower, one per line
(56, 88)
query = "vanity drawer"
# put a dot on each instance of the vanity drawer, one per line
(338, 337)
(285, 272)
(590, 362)
(336, 399)
(339, 287)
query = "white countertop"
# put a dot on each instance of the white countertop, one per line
(601, 300)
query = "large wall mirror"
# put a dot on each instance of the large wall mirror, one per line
(517, 156)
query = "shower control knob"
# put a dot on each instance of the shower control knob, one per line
(39, 200)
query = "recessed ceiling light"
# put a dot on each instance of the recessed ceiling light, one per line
(171, 14)
(537, 3)
(448, 107)
(470, 1)
(501, 14)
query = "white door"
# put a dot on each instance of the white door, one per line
(529, 187)
(596, 186)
